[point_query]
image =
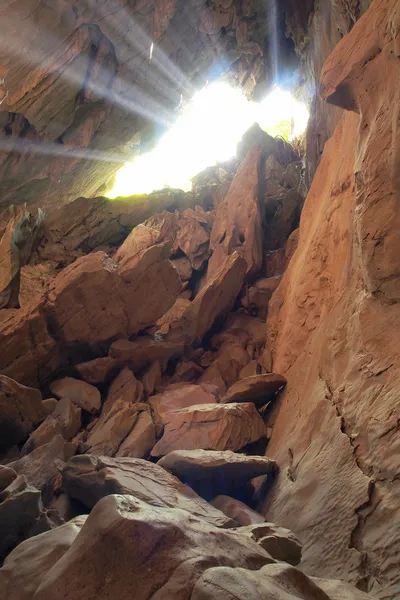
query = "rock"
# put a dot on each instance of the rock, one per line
(187, 371)
(21, 514)
(144, 278)
(237, 510)
(29, 354)
(83, 394)
(212, 376)
(68, 415)
(124, 387)
(279, 542)
(253, 368)
(183, 266)
(145, 350)
(97, 370)
(40, 466)
(26, 566)
(20, 411)
(255, 136)
(152, 378)
(181, 547)
(173, 314)
(291, 245)
(49, 405)
(283, 216)
(237, 222)
(259, 389)
(46, 431)
(279, 581)
(258, 296)
(139, 442)
(252, 327)
(230, 359)
(113, 427)
(212, 473)
(178, 398)
(275, 260)
(194, 235)
(7, 476)
(89, 478)
(210, 427)
(212, 303)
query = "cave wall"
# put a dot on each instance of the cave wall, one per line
(81, 89)
(334, 326)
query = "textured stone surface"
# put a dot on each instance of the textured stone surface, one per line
(83, 394)
(20, 411)
(259, 389)
(129, 533)
(210, 427)
(139, 442)
(212, 473)
(237, 510)
(213, 302)
(279, 581)
(88, 478)
(25, 567)
(177, 398)
(334, 328)
(279, 542)
(238, 220)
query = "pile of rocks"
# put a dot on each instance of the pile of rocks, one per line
(148, 353)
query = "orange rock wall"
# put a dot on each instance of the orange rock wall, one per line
(334, 328)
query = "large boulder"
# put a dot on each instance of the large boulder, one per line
(237, 224)
(116, 297)
(22, 515)
(24, 569)
(237, 510)
(141, 438)
(177, 397)
(278, 581)
(130, 549)
(259, 389)
(88, 478)
(20, 411)
(83, 394)
(210, 427)
(212, 303)
(145, 350)
(212, 473)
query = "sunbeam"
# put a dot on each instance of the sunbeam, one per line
(207, 131)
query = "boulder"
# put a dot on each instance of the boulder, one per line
(41, 465)
(20, 411)
(88, 478)
(253, 368)
(183, 266)
(139, 442)
(210, 427)
(178, 397)
(124, 387)
(259, 389)
(145, 350)
(7, 476)
(83, 394)
(212, 473)
(49, 405)
(257, 297)
(21, 514)
(152, 378)
(97, 370)
(279, 581)
(26, 566)
(211, 304)
(193, 236)
(68, 415)
(154, 552)
(173, 314)
(237, 224)
(187, 371)
(279, 542)
(110, 292)
(237, 510)
(46, 431)
(113, 427)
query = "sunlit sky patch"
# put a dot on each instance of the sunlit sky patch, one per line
(208, 130)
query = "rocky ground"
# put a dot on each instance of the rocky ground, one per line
(145, 421)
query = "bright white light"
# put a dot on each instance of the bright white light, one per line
(207, 131)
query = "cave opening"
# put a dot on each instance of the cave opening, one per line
(206, 132)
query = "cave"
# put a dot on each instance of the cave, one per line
(199, 300)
